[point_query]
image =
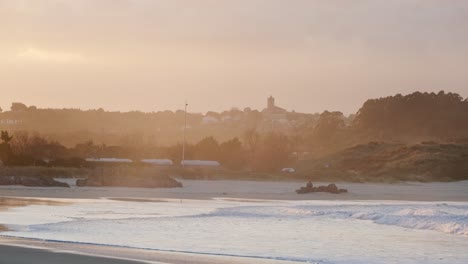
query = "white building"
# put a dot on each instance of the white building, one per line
(161, 162)
(109, 160)
(288, 170)
(202, 163)
(208, 120)
(10, 122)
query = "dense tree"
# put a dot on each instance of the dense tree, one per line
(272, 154)
(175, 152)
(5, 137)
(87, 149)
(251, 140)
(232, 154)
(18, 107)
(207, 149)
(328, 125)
(414, 116)
(5, 149)
(29, 149)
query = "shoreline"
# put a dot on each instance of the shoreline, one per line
(23, 254)
(126, 254)
(25, 250)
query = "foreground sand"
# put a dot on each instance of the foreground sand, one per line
(36, 251)
(23, 255)
(20, 251)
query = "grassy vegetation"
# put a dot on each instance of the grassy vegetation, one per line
(372, 162)
(387, 162)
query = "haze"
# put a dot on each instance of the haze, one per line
(153, 55)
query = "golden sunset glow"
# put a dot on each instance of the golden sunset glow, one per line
(153, 55)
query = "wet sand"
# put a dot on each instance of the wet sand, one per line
(23, 255)
(208, 189)
(26, 250)
(7, 202)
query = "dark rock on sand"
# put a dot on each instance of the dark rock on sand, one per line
(331, 188)
(33, 181)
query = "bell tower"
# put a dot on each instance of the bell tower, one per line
(271, 102)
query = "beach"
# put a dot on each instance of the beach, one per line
(53, 224)
(267, 190)
(28, 251)
(17, 255)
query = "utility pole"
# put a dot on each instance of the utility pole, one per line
(185, 128)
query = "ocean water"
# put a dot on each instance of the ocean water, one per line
(301, 231)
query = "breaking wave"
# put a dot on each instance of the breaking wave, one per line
(439, 217)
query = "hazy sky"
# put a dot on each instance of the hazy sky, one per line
(151, 55)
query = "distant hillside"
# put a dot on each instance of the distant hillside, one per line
(385, 162)
(163, 128)
(440, 117)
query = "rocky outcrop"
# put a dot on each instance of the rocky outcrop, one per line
(33, 181)
(331, 188)
(120, 181)
(128, 177)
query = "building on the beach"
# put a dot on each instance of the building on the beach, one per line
(200, 163)
(158, 162)
(117, 161)
(110, 160)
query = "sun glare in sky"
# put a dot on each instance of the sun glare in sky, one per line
(153, 55)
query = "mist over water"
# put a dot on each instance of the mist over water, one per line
(303, 231)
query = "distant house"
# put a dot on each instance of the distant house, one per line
(288, 170)
(208, 120)
(10, 122)
(159, 162)
(226, 118)
(200, 163)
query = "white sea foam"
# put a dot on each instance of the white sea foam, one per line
(317, 232)
(448, 219)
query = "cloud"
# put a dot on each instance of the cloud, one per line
(32, 54)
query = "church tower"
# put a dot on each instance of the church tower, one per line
(271, 102)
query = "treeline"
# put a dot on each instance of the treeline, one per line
(240, 144)
(162, 128)
(268, 152)
(417, 117)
